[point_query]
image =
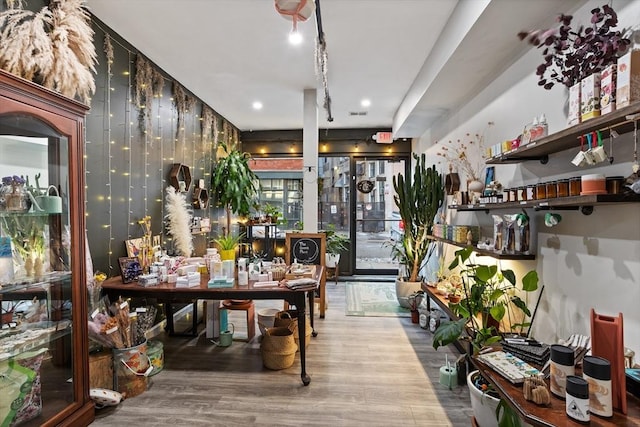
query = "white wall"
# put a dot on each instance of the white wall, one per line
(586, 261)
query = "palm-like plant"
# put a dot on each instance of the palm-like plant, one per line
(233, 184)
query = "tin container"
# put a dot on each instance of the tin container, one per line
(562, 366)
(577, 399)
(597, 372)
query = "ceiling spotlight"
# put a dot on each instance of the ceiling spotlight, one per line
(257, 105)
(365, 103)
(295, 38)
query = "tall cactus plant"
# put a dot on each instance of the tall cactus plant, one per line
(418, 202)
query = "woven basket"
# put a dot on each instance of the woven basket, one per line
(277, 274)
(278, 348)
(289, 319)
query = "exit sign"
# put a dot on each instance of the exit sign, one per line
(384, 137)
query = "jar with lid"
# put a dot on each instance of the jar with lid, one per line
(574, 186)
(513, 194)
(551, 190)
(531, 192)
(522, 194)
(541, 191)
(562, 188)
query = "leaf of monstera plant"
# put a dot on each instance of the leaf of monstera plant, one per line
(448, 332)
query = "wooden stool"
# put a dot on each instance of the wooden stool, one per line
(247, 306)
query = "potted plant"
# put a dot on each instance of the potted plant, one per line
(335, 244)
(227, 244)
(418, 201)
(234, 185)
(415, 299)
(488, 295)
(272, 213)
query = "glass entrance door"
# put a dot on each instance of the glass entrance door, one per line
(375, 215)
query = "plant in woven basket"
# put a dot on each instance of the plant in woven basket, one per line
(572, 54)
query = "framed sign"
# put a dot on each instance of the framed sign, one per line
(306, 248)
(130, 269)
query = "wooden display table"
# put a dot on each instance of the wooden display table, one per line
(114, 288)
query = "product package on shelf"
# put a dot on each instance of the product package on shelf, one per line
(608, 89)
(628, 79)
(590, 97)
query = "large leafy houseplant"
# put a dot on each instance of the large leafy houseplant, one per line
(573, 54)
(233, 184)
(488, 295)
(418, 201)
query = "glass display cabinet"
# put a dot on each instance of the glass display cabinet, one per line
(43, 328)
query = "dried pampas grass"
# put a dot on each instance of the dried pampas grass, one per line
(148, 83)
(179, 221)
(53, 46)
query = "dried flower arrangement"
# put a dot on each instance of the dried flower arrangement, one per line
(53, 47)
(179, 221)
(571, 55)
(208, 123)
(466, 155)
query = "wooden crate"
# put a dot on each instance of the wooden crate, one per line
(101, 370)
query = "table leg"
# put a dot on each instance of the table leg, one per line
(300, 304)
(311, 295)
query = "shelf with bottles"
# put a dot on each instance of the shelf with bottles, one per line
(583, 203)
(487, 252)
(539, 149)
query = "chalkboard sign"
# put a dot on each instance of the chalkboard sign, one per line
(306, 248)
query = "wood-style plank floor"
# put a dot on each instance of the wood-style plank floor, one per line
(365, 371)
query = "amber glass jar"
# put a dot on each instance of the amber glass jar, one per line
(574, 186)
(541, 191)
(551, 190)
(563, 188)
(513, 194)
(522, 194)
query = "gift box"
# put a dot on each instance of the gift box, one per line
(608, 89)
(628, 79)
(590, 97)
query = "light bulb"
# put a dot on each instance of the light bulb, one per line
(295, 38)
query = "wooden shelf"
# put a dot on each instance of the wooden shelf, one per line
(569, 138)
(487, 252)
(572, 202)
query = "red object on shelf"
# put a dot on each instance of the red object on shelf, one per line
(607, 341)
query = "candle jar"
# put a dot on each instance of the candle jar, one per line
(577, 399)
(513, 194)
(597, 372)
(522, 194)
(541, 191)
(562, 366)
(574, 186)
(562, 188)
(531, 192)
(614, 184)
(551, 190)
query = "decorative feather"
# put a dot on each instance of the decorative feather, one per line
(179, 221)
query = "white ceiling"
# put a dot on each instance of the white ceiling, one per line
(414, 59)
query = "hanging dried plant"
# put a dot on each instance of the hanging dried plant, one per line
(108, 49)
(207, 123)
(216, 131)
(53, 47)
(183, 103)
(149, 83)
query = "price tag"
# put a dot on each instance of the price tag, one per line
(141, 310)
(95, 313)
(124, 305)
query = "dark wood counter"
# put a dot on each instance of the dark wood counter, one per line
(553, 415)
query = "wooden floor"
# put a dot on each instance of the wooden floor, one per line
(365, 371)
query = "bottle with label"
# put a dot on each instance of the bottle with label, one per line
(544, 127)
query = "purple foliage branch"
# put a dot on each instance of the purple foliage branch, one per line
(571, 55)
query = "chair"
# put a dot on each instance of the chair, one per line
(245, 305)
